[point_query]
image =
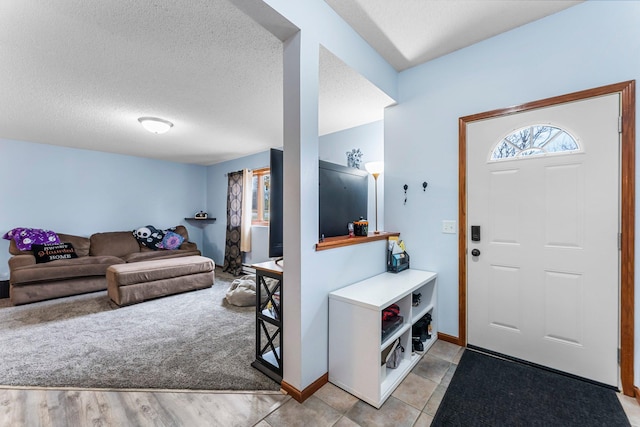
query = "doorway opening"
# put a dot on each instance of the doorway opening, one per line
(627, 213)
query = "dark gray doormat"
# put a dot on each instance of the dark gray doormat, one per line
(487, 391)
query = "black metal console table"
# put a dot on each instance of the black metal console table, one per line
(269, 320)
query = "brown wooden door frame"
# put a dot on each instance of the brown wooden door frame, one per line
(627, 213)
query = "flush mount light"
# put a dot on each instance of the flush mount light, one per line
(155, 125)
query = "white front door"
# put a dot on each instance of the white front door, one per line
(544, 286)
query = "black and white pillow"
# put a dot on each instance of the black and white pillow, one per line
(154, 238)
(149, 236)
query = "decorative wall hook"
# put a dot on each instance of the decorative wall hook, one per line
(405, 193)
(424, 186)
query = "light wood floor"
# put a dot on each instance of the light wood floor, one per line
(57, 408)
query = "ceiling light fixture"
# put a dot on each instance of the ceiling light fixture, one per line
(155, 125)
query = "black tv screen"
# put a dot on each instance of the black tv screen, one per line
(275, 203)
(344, 194)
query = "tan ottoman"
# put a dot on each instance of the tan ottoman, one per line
(139, 281)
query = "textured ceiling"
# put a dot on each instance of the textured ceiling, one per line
(79, 73)
(410, 32)
(345, 97)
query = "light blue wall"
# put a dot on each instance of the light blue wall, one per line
(592, 44)
(341, 266)
(306, 314)
(369, 138)
(321, 23)
(589, 45)
(83, 192)
(332, 148)
(217, 183)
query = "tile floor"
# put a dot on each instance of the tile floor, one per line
(413, 403)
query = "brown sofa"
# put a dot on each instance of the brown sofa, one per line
(30, 282)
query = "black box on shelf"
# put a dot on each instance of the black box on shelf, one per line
(390, 326)
(397, 262)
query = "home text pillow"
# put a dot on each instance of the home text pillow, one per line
(48, 252)
(25, 237)
(171, 241)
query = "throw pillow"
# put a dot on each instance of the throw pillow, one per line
(171, 241)
(149, 236)
(25, 237)
(48, 252)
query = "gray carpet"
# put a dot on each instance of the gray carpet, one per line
(193, 340)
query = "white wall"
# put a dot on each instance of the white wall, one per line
(82, 192)
(589, 45)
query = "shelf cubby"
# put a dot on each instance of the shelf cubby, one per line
(355, 332)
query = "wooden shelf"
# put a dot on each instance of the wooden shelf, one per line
(269, 266)
(340, 241)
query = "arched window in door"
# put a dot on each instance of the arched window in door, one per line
(534, 140)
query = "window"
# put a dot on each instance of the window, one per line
(536, 140)
(260, 214)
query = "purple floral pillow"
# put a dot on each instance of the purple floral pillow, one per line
(171, 241)
(25, 237)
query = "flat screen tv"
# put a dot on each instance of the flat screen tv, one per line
(343, 198)
(344, 194)
(275, 203)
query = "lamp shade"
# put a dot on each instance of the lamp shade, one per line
(374, 168)
(155, 125)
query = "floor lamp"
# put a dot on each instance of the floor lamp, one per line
(375, 169)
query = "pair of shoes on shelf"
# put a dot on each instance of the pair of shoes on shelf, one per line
(416, 344)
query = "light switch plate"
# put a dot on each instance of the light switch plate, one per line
(449, 227)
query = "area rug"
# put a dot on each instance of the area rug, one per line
(487, 391)
(193, 340)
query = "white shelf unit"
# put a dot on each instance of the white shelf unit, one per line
(355, 331)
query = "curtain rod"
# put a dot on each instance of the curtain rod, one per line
(240, 171)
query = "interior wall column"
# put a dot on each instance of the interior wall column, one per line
(300, 331)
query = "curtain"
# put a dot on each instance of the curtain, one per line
(247, 210)
(232, 253)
